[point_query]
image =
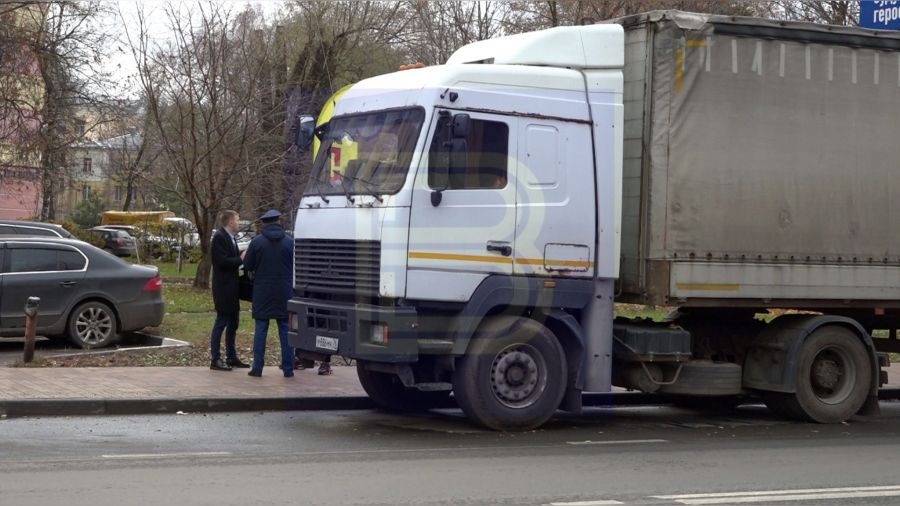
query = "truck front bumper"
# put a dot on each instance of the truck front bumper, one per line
(318, 329)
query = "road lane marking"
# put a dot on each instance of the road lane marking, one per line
(762, 496)
(620, 442)
(586, 503)
(165, 455)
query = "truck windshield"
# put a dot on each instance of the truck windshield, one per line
(366, 153)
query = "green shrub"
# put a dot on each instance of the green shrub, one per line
(88, 212)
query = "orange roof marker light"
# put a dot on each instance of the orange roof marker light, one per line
(409, 66)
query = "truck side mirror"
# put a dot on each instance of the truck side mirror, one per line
(455, 163)
(306, 128)
(459, 129)
(439, 177)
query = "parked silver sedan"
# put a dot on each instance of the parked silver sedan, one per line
(87, 294)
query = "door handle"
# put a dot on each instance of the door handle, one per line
(502, 247)
(67, 284)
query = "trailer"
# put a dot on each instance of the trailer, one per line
(740, 170)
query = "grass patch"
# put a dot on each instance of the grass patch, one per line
(184, 298)
(170, 269)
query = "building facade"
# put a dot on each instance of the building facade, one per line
(21, 100)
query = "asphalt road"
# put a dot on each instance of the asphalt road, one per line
(650, 455)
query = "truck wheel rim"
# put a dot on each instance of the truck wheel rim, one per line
(93, 325)
(518, 376)
(832, 375)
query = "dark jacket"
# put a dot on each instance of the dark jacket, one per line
(270, 257)
(226, 263)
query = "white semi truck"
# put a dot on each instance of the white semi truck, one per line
(491, 210)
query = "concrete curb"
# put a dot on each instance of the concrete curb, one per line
(83, 407)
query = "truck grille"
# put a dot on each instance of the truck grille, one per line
(337, 266)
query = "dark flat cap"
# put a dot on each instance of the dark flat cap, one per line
(271, 214)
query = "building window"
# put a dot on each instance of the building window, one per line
(118, 196)
(80, 125)
(85, 192)
(87, 169)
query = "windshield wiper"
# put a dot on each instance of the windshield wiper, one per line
(346, 187)
(319, 190)
(370, 186)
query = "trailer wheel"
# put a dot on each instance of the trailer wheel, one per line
(834, 378)
(389, 394)
(513, 376)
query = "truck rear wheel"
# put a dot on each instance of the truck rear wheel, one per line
(389, 394)
(513, 376)
(833, 378)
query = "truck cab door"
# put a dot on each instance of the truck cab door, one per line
(467, 232)
(555, 211)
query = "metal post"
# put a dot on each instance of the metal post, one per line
(31, 311)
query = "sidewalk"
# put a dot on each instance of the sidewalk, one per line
(133, 390)
(142, 390)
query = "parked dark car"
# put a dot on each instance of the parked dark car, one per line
(116, 241)
(87, 294)
(33, 229)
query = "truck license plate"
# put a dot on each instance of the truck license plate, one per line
(326, 343)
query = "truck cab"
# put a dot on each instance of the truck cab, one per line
(489, 186)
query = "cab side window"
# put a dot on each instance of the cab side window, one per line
(487, 156)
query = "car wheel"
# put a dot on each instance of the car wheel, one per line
(92, 325)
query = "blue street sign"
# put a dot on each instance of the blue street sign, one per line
(880, 14)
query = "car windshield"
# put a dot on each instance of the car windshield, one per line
(366, 153)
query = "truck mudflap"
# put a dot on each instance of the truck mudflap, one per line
(382, 334)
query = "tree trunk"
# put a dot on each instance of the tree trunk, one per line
(48, 187)
(203, 271)
(129, 194)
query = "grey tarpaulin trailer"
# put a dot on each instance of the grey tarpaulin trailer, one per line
(761, 163)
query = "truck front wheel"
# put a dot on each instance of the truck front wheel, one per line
(389, 394)
(513, 375)
(833, 380)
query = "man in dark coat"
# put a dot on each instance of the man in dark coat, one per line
(270, 257)
(226, 263)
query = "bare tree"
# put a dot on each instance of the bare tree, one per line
(535, 15)
(70, 53)
(201, 90)
(327, 45)
(437, 29)
(832, 12)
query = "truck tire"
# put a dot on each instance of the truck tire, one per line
(833, 378)
(389, 394)
(513, 375)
